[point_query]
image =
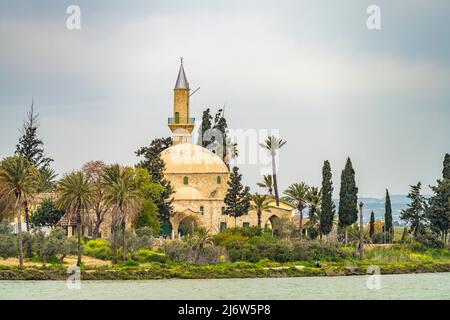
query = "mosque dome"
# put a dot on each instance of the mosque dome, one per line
(187, 193)
(192, 158)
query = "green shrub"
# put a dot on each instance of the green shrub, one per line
(177, 250)
(8, 246)
(6, 228)
(146, 255)
(98, 248)
(430, 240)
(241, 251)
(225, 238)
(266, 237)
(286, 251)
(281, 251)
(320, 251)
(27, 243)
(58, 245)
(131, 263)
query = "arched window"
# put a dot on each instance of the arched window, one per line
(185, 180)
(219, 179)
(202, 210)
(177, 117)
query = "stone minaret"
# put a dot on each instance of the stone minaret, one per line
(181, 124)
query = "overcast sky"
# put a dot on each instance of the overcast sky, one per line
(310, 69)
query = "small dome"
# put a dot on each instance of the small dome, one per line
(187, 193)
(192, 158)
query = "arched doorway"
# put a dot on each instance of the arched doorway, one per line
(272, 222)
(187, 226)
(166, 229)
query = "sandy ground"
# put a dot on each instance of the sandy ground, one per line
(70, 260)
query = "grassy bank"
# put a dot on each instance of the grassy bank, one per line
(151, 271)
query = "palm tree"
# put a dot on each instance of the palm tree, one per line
(6, 205)
(272, 144)
(47, 180)
(75, 196)
(46, 183)
(123, 194)
(296, 195)
(199, 240)
(260, 204)
(19, 181)
(267, 183)
(314, 201)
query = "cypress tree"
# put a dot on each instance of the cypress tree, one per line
(388, 217)
(415, 213)
(438, 211)
(206, 125)
(348, 198)
(153, 163)
(446, 170)
(372, 225)
(237, 200)
(30, 146)
(327, 208)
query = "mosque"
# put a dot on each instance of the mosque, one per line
(199, 178)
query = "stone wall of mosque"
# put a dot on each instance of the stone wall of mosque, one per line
(210, 185)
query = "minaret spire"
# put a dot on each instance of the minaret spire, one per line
(182, 82)
(181, 124)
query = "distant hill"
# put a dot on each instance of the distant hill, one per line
(398, 202)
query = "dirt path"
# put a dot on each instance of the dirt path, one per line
(70, 260)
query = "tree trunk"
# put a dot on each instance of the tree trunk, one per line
(346, 235)
(259, 219)
(27, 215)
(124, 243)
(301, 224)
(115, 255)
(19, 232)
(98, 223)
(79, 236)
(275, 184)
(99, 213)
(96, 231)
(361, 231)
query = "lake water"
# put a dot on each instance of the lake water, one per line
(410, 286)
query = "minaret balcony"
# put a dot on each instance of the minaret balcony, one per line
(179, 121)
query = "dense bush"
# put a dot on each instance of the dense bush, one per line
(286, 251)
(252, 245)
(6, 228)
(146, 255)
(98, 248)
(323, 251)
(143, 239)
(47, 215)
(177, 250)
(242, 251)
(8, 246)
(58, 246)
(252, 235)
(430, 240)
